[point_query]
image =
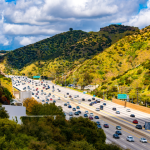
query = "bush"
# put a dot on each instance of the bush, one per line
(139, 71)
(103, 87)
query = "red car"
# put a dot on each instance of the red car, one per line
(36, 93)
(106, 125)
(135, 121)
(51, 99)
(91, 118)
(36, 89)
(43, 87)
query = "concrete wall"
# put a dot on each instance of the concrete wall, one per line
(24, 95)
(131, 105)
(17, 111)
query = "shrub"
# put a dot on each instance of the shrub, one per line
(139, 71)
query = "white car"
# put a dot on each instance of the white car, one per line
(53, 96)
(75, 96)
(97, 109)
(65, 96)
(117, 112)
(71, 99)
(86, 112)
(91, 114)
(128, 110)
(143, 140)
(79, 102)
(58, 98)
(130, 139)
(70, 113)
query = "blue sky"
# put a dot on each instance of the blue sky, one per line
(23, 22)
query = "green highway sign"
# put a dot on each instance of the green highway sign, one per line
(36, 77)
(122, 96)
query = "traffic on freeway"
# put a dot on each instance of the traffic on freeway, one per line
(76, 104)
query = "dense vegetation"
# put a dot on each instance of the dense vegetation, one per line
(62, 52)
(47, 133)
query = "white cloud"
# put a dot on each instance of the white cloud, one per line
(29, 40)
(142, 19)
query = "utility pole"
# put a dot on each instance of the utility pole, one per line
(103, 94)
(65, 81)
(137, 94)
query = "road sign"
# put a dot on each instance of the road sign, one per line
(84, 92)
(128, 98)
(93, 95)
(122, 96)
(36, 77)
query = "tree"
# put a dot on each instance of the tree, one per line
(29, 103)
(3, 112)
(71, 29)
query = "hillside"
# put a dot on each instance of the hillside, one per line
(125, 64)
(63, 52)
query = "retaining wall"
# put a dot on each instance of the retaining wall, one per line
(131, 105)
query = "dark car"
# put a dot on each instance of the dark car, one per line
(76, 113)
(91, 118)
(106, 125)
(104, 104)
(65, 104)
(98, 122)
(93, 98)
(101, 107)
(96, 117)
(118, 132)
(83, 99)
(135, 121)
(89, 100)
(99, 126)
(116, 136)
(118, 127)
(74, 109)
(114, 108)
(54, 101)
(91, 104)
(78, 107)
(67, 93)
(95, 102)
(79, 111)
(132, 115)
(138, 126)
(85, 115)
(69, 106)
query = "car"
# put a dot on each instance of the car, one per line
(95, 102)
(43, 100)
(116, 136)
(118, 127)
(99, 126)
(106, 125)
(93, 98)
(70, 117)
(53, 96)
(44, 93)
(97, 109)
(32, 93)
(74, 109)
(138, 126)
(91, 104)
(65, 114)
(135, 121)
(143, 140)
(54, 101)
(70, 96)
(91, 118)
(114, 108)
(68, 103)
(46, 102)
(117, 112)
(98, 101)
(77, 107)
(75, 96)
(89, 100)
(118, 132)
(85, 115)
(37, 97)
(91, 114)
(76, 113)
(79, 102)
(65, 104)
(53, 90)
(132, 115)
(96, 117)
(36, 93)
(101, 107)
(97, 122)
(67, 93)
(144, 126)
(130, 139)
(69, 106)
(71, 99)
(128, 110)
(51, 99)
(79, 111)
(58, 98)
(65, 96)
(70, 113)
(86, 112)
(104, 104)
(83, 99)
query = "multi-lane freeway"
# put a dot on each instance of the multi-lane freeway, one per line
(77, 99)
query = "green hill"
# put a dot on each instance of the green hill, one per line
(125, 65)
(47, 57)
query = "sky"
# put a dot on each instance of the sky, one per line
(23, 22)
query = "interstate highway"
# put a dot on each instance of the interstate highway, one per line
(124, 116)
